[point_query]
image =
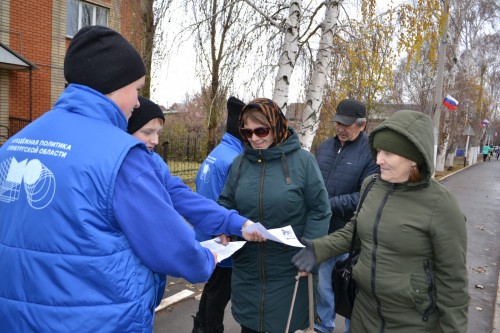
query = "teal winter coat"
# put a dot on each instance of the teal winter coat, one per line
(278, 186)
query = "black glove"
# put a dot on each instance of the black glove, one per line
(305, 259)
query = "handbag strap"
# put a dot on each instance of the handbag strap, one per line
(360, 204)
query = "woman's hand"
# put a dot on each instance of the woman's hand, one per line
(215, 256)
(251, 236)
(305, 259)
(224, 239)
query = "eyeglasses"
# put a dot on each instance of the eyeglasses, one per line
(261, 132)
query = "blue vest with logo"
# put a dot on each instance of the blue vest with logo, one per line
(66, 265)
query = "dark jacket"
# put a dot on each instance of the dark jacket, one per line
(277, 187)
(343, 169)
(411, 273)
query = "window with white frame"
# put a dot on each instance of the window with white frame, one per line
(80, 14)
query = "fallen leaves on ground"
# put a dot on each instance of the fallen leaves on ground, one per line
(479, 269)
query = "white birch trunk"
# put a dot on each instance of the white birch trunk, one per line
(314, 93)
(288, 56)
(445, 133)
(450, 161)
(474, 151)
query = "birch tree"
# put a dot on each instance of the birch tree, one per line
(314, 93)
(278, 41)
(364, 60)
(288, 57)
(464, 15)
(223, 33)
(468, 22)
(265, 30)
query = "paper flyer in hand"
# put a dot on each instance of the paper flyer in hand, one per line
(283, 235)
(223, 251)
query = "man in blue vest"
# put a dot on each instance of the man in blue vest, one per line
(85, 221)
(210, 180)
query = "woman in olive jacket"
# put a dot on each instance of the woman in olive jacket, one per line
(277, 183)
(411, 272)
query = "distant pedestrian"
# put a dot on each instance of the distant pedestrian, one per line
(486, 152)
(497, 151)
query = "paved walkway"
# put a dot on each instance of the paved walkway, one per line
(477, 189)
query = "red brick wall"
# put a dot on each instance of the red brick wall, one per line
(30, 35)
(131, 22)
(31, 20)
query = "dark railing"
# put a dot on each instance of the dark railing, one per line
(183, 156)
(17, 124)
(4, 132)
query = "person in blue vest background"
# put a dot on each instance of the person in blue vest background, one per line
(210, 181)
(85, 218)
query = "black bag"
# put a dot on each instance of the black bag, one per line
(343, 285)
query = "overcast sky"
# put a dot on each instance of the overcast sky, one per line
(177, 76)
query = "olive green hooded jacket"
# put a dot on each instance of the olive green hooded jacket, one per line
(411, 272)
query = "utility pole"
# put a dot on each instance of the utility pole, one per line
(438, 94)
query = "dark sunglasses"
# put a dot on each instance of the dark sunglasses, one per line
(261, 132)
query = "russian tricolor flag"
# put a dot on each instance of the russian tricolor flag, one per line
(450, 102)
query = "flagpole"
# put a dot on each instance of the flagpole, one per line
(468, 137)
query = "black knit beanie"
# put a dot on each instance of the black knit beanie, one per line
(234, 107)
(396, 143)
(143, 114)
(102, 59)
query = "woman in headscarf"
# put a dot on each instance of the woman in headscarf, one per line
(411, 273)
(277, 183)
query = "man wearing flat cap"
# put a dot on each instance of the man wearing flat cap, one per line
(344, 160)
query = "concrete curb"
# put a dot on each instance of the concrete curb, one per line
(496, 306)
(451, 174)
(166, 302)
(496, 319)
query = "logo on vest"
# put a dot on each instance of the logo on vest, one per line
(205, 173)
(39, 182)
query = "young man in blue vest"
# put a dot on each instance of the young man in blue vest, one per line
(210, 180)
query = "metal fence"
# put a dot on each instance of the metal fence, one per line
(16, 124)
(184, 156)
